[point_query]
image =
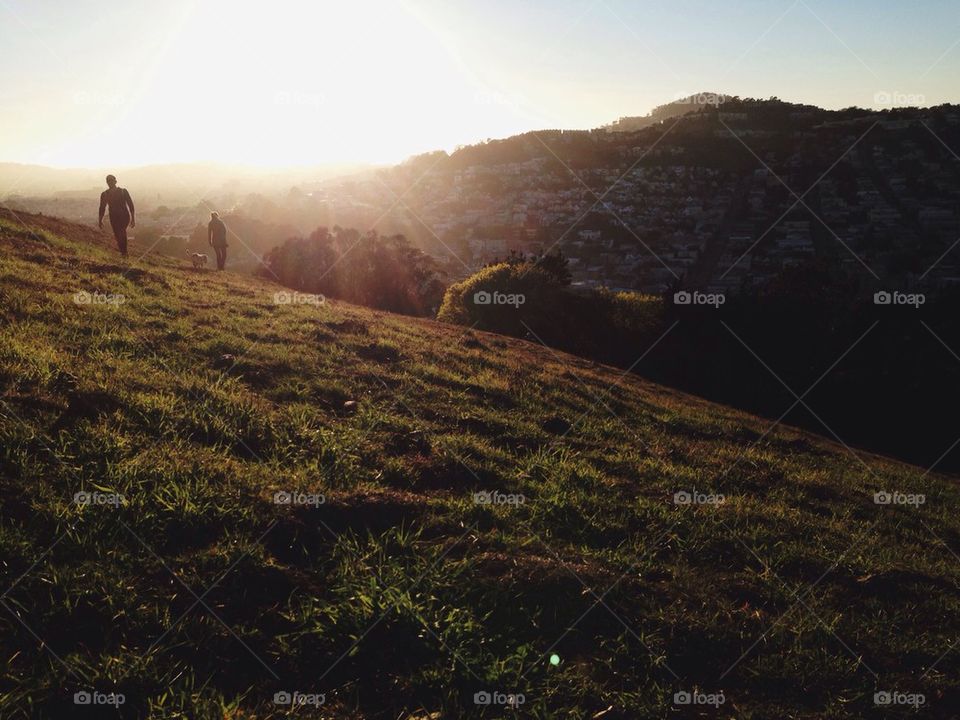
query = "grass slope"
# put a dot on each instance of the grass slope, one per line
(198, 398)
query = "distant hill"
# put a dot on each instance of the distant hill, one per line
(284, 495)
(705, 193)
(698, 102)
(692, 103)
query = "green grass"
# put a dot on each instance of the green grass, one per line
(197, 398)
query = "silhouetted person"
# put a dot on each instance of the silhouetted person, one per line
(217, 237)
(119, 201)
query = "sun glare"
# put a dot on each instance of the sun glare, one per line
(304, 83)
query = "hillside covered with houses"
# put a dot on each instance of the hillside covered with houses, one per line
(724, 196)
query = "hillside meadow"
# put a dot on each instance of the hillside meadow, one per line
(217, 495)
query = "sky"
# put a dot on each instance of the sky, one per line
(131, 82)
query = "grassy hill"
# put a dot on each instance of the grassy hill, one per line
(182, 402)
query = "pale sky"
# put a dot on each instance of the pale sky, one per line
(127, 82)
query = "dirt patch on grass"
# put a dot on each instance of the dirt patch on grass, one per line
(471, 342)
(413, 442)
(351, 327)
(183, 534)
(322, 336)
(379, 353)
(86, 405)
(303, 532)
(373, 510)
(438, 473)
(556, 425)
(528, 569)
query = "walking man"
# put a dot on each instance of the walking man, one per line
(119, 202)
(217, 237)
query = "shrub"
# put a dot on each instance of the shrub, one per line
(506, 298)
(597, 323)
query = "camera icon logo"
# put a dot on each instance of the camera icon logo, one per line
(682, 298)
(282, 698)
(282, 297)
(882, 297)
(682, 498)
(82, 298)
(82, 698)
(482, 297)
(482, 698)
(682, 698)
(82, 498)
(282, 497)
(484, 497)
(882, 698)
(882, 498)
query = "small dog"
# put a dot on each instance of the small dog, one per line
(199, 260)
